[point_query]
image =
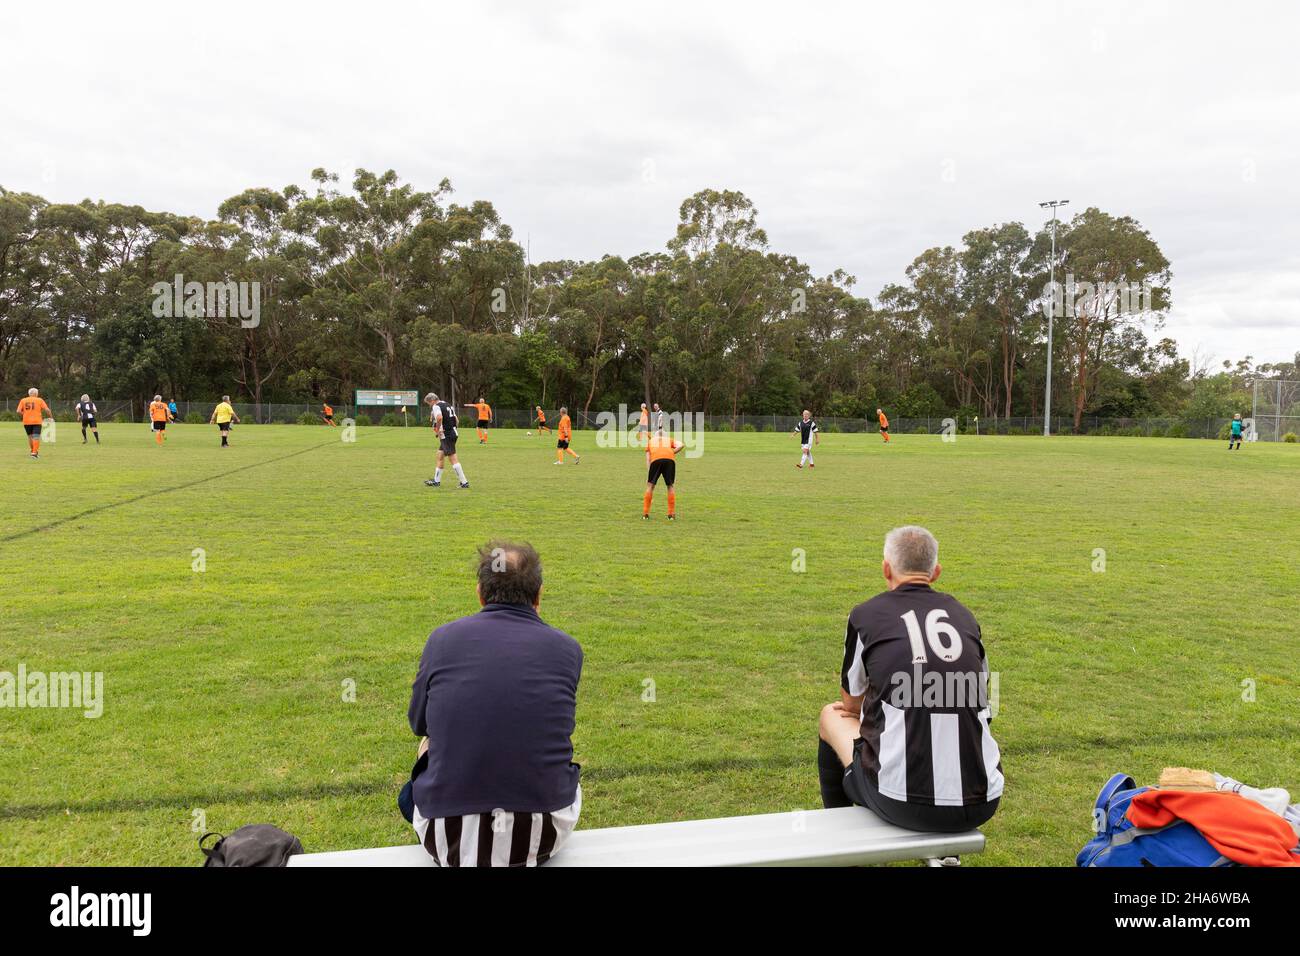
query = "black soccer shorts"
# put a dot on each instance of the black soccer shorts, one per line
(665, 468)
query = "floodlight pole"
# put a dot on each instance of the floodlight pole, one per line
(1051, 308)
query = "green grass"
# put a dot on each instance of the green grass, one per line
(329, 562)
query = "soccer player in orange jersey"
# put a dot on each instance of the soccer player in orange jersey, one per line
(564, 436)
(661, 457)
(484, 418)
(327, 413)
(884, 425)
(160, 415)
(541, 421)
(33, 410)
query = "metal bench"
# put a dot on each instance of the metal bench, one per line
(845, 836)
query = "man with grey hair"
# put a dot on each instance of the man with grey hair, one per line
(909, 738)
(86, 414)
(445, 425)
(33, 411)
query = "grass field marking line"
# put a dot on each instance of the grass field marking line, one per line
(50, 526)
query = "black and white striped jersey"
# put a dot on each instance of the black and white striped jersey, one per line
(806, 430)
(916, 656)
(446, 415)
(85, 411)
(501, 838)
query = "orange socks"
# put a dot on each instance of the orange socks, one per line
(158, 437)
(36, 446)
(672, 502)
(649, 497)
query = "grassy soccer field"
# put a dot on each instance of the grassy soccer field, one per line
(329, 562)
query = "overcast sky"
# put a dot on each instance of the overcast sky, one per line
(864, 135)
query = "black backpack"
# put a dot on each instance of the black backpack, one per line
(258, 844)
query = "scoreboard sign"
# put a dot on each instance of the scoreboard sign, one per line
(370, 396)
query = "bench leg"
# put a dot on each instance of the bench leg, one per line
(943, 861)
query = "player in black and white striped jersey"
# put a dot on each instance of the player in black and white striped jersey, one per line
(910, 737)
(806, 429)
(87, 414)
(495, 699)
(446, 426)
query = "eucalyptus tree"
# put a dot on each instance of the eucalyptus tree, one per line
(1116, 277)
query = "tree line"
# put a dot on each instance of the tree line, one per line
(383, 285)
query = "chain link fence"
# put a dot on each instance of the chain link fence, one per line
(1275, 408)
(1270, 425)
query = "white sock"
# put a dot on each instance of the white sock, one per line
(803, 459)
(810, 459)
(460, 472)
(437, 474)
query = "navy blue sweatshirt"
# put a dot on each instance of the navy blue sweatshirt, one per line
(496, 694)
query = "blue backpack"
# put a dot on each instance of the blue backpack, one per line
(1119, 843)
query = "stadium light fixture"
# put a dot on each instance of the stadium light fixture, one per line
(1053, 204)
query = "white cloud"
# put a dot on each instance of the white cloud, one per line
(863, 135)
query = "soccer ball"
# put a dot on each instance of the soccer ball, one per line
(530, 434)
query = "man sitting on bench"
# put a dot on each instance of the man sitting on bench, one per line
(494, 783)
(909, 739)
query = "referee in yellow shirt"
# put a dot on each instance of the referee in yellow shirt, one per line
(222, 416)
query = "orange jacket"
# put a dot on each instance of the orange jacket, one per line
(1240, 829)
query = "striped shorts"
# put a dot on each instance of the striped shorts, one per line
(501, 838)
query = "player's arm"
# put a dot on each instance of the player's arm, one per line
(233, 417)
(817, 437)
(849, 673)
(851, 704)
(212, 419)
